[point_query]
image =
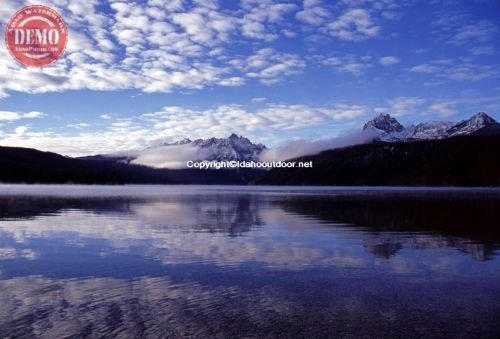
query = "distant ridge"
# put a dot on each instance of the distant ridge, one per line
(389, 129)
(234, 147)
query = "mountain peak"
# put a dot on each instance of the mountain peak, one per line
(484, 118)
(384, 122)
(476, 122)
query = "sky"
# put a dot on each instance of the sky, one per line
(138, 72)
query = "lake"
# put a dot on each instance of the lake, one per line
(263, 262)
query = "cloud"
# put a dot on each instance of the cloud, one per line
(350, 63)
(173, 123)
(425, 68)
(478, 31)
(173, 156)
(298, 148)
(456, 70)
(402, 106)
(483, 50)
(13, 116)
(79, 125)
(154, 46)
(233, 81)
(270, 66)
(271, 117)
(259, 100)
(349, 20)
(444, 108)
(313, 13)
(388, 60)
(353, 25)
(459, 28)
(21, 130)
(261, 18)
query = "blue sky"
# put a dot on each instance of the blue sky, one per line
(138, 72)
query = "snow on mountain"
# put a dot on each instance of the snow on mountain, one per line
(431, 130)
(383, 127)
(233, 148)
(177, 154)
(389, 129)
(476, 122)
(213, 149)
(384, 123)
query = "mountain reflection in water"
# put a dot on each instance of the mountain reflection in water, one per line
(240, 262)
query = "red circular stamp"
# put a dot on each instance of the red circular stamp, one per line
(36, 36)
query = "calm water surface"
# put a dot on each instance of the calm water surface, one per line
(159, 261)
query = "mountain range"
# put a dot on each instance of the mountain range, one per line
(213, 149)
(388, 128)
(222, 149)
(430, 153)
(383, 127)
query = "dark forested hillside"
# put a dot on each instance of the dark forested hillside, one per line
(460, 161)
(23, 165)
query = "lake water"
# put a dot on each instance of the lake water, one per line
(160, 261)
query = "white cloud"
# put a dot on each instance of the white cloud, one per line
(457, 70)
(261, 17)
(353, 25)
(483, 50)
(425, 68)
(217, 122)
(459, 28)
(444, 108)
(21, 130)
(233, 81)
(175, 156)
(79, 125)
(259, 100)
(350, 63)
(269, 66)
(174, 123)
(388, 60)
(478, 31)
(13, 116)
(402, 106)
(297, 148)
(313, 13)
(154, 46)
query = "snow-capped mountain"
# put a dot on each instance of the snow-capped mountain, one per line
(384, 123)
(475, 123)
(176, 154)
(221, 149)
(430, 130)
(389, 129)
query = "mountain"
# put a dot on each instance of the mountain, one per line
(430, 153)
(475, 123)
(430, 130)
(459, 161)
(213, 149)
(384, 123)
(221, 149)
(389, 129)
